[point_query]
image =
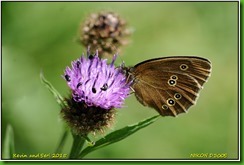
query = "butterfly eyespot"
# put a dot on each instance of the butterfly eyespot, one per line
(174, 77)
(170, 102)
(183, 67)
(67, 78)
(165, 107)
(172, 82)
(177, 96)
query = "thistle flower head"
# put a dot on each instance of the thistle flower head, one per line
(97, 83)
(105, 32)
(97, 88)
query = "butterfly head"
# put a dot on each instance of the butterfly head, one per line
(127, 72)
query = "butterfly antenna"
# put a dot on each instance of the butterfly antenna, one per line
(115, 50)
(122, 65)
(122, 61)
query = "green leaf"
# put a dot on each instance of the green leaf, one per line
(8, 145)
(118, 135)
(55, 93)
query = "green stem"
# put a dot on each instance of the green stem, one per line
(78, 142)
(62, 141)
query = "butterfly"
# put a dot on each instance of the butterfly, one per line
(170, 85)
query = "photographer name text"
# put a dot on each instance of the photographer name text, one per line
(40, 156)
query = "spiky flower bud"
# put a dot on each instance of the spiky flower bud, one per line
(97, 88)
(105, 32)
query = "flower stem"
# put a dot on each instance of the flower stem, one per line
(78, 142)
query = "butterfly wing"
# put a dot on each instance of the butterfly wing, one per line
(171, 84)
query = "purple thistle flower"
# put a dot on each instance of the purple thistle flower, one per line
(97, 83)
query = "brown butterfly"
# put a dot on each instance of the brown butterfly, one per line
(170, 85)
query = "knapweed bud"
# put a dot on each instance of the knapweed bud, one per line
(105, 32)
(97, 88)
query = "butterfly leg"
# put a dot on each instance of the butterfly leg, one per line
(132, 90)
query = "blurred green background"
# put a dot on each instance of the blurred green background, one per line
(42, 36)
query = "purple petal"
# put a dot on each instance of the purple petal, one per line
(97, 83)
